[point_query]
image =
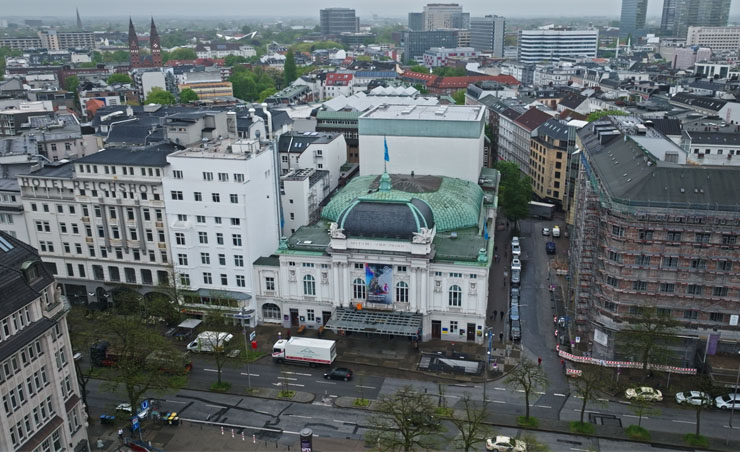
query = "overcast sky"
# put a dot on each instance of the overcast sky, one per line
(384, 8)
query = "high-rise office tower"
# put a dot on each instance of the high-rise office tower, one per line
(416, 21)
(335, 21)
(632, 20)
(440, 16)
(679, 15)
(487, 35)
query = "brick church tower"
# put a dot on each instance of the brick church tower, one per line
(155, 46)
(133, 46)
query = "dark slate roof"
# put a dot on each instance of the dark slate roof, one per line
(56, 169)
(272, 261)
(532, 119)
(715, 138)
(152, 155)
(511, 113)
(708, 103)
(667, 126)
(661, 184)
(298, 142)
(386, 219)
(555, 129)
(572, 101)
(16, 289)
(140, 131)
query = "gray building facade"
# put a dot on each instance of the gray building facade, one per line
(415, 43)
(679, 15)
(487, 34)
(632, 19)
(335, 21)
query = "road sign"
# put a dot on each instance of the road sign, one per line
(252, 336)
(144, 405)
(135, 423)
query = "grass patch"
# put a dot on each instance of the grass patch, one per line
(696, 440)
(582, 427)
(221, 387)
(527, 422)
(286, 394)
(361, 402)
(638, 433)
(444, 411)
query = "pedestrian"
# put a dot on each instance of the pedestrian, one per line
(501, 337)
(562, 363)
(539, 362)
(502, 315)
(120, 435)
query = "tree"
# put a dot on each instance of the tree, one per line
(642, 407)
(231, 60)
(159, 96)
(290, 72)
(649, 335)
(445, 71)
(595, 116)
(222, 347)
(81, 340)
(71, 83)
(419, 68)
(587, 386)
(703, 384)
(528, 377)
(404, 422)
(119, 78)
(470, 422)
(183, 53)
(459, 97)
(188, 95)
(515, 191)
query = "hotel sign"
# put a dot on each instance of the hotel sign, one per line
(69, 184)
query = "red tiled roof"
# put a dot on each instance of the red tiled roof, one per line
(420, 76)
(338, 79)
(532, 119)
(464, 81)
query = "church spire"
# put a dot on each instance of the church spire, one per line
(133, 46)
(155, 46)
(79, 21)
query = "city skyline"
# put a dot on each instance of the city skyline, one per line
(293, 8)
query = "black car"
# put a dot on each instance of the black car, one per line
(550, 247)
(339, 373)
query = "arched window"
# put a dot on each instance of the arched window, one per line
(270, 311)
(309, 285)
(455, 296)
(359, 291)
(402, 292)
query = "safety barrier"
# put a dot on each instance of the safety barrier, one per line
(625, 364)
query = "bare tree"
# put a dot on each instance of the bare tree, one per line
(527, 376)
(650, 334)
(222, 346)
(404, 422)
(589, 384)
(703, 384)
(470, 422)
(642, 407)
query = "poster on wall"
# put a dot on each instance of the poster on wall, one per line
(379, 281)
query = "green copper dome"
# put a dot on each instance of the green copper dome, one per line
(455, 203)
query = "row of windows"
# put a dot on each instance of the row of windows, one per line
(672, 262)
(20, 360)
(208, 176)
(686, 314)
(16, 397)
(14, 323)
(236, 239)
(114, 274)
(677, 236)
(125, 170)
(201, 219)
(359, 291)
(669, 288)
(205, 259)
(41, 415)
(177, 195)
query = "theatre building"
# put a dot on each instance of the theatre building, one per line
(393, 254)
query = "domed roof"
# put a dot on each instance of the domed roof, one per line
(454, 203)
(386, 219)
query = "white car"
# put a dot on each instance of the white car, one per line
(725, 402)
(545, 231)
(695, 398)
(505, 444)
(516, 251)
(516, 264)
(126, 408)
(644, 393)
(515, 241)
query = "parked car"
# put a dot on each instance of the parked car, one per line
(515, 300)
(695, 398)
(644, 393)
(516, 249)
(514, 313)
(725, 402)
(515, 276)
(339, 373)
(514, 292)
(550, 247)
(505, 444)
(545, 231)
(516, 330)
(516, 264)
(556, 231)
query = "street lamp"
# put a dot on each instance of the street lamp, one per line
(734, 401)
(489, 333)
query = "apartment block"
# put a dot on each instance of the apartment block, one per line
(719, 39)
(548, 161)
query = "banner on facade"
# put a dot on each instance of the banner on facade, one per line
(379, 280)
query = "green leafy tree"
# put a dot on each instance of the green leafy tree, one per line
(419, 68)
(404, 422)
(119, 78)
(444, 71)
(183, 53)
(290, 72)
(188, 95)
(595, 116)
(231, 60)
(71, 83)
(515, 191)
(470, 421)
(459, 97)
(527, 376)
(159, 96)
(649, 335)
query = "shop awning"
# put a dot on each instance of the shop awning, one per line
(374, 322)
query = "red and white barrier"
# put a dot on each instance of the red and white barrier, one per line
(624, 364)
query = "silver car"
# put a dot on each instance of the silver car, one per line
(725, 402)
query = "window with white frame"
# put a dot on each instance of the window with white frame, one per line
(309, 285)
(455, 296)
(359, 289)
(402, 292)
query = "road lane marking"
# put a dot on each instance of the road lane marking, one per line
(500, 389)
(216, 406)
(266, 429)
(366, 387)
(542, 406)
(589, 411)
(540, 393)
(332, 395)
(176, 401)
(734, 428)
(636, 417)
(497, 401)
(559, 395)
(302, 417)
(326, 382)
(210, 370)
(520, 390)
(287, 378)
(303, 375)
(295, 384)
(250, 375)
(684, 422)
(603, 400)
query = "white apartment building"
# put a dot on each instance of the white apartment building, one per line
(98, 222)
(719, 39)
(12, 221)
(416, 262)
(439, 56)
(221, 50)
(555, 44)
(317, 150)
(42, 408)
(301, 193)
(423, 139)
(221, 203)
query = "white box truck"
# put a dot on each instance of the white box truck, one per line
(303, 350)
(210, 341)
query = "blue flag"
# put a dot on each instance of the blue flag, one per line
(386, 157)
(485, 230)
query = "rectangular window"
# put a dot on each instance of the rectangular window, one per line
(219, 238)
(698, 264)
(203, 237)
(241, 281)
(667, 287)
(673, 236)
(694, 289)
(207, 278)
(720, 292)
(612, 281)
(642, 260)
(234, 198)
(401, 269)
(669, 262)
(182, 259)
(724, 266)
(221, 259)
(615, 257)
(180, 238)
(177, 174)
(716, 317)
(269, 283)
(359, 266)
(238, 260)
(236, 239)
(617, 231)
(216, 197)
(200, 219)
(646, 234)
(690, 314)
(176, 195)
(702, 237)
(238, 177)
(224, 280)
(207, 176)
(639, 285)
(223, 177)
(198, 196)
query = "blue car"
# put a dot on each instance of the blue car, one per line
(550, 247)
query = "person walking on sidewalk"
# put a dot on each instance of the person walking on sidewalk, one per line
(120, 436)
(539, 362)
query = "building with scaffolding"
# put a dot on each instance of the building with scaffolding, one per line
(651, 231)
